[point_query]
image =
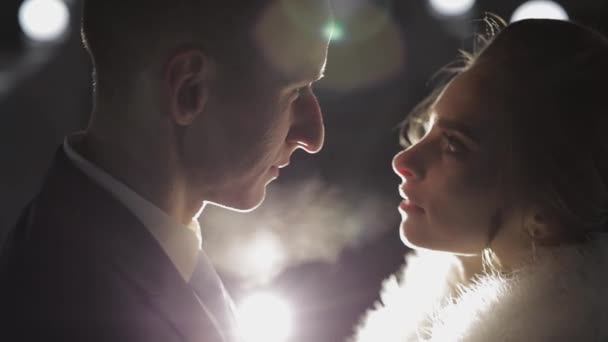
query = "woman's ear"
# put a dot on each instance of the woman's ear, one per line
(187, 79)
(543, 227)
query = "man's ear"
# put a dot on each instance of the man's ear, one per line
(187, 77)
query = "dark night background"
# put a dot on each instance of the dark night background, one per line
(333, 215)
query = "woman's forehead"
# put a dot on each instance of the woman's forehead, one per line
(468, 101)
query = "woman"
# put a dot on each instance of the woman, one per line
(506, 197)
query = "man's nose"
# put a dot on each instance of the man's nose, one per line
(307, 130)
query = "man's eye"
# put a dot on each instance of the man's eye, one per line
(301, 90)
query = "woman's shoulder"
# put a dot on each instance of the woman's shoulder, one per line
(409, 297)
(563, 296)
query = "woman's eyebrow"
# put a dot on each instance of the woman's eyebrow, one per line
(458, 126)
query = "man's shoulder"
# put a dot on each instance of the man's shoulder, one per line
(60, 264)
(64, 209)
(71, 221)
(79, 266)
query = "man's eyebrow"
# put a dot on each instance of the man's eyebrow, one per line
(303, 80)
(458, 126)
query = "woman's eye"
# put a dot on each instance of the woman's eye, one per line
(452, 144)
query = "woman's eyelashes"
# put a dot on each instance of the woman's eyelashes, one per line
(447, 142)
(451, 144)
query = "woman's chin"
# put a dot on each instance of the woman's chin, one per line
(417, 236)
(410, 236)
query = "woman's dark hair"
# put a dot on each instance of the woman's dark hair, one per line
(547, 77)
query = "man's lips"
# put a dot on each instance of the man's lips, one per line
(274, 171)
(283, 164)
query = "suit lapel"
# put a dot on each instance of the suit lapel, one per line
(117, 234)
(209, 288)
(154, 274)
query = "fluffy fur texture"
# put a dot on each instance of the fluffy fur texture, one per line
(562, 296)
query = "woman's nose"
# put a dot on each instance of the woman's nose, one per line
(403, 166)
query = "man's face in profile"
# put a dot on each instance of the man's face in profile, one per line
(255, 122)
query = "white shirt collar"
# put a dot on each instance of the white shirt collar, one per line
(181, 243)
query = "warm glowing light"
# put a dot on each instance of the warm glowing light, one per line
(264, 253)
(264, 318)
(452, 7)
(539, 9)
(334, 31)
(420, 285)
(44, 20)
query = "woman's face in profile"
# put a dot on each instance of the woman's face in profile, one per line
(453, 179)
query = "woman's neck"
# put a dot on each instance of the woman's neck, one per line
(472, 267)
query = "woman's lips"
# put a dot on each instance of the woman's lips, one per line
(407, 206)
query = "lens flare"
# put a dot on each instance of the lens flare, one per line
(371, 49)
(334, 31)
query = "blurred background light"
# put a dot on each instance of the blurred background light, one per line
(451, 8)
(44, 20)
(291, 228)
(539, 9)
(264, 253)
(264, 317)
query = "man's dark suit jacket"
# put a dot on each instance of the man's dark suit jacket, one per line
(79, 266)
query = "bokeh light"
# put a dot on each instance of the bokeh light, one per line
(297, 217)
(44, 20)
(539, 9)
(451, 8)
(264, 253)
(264, 317)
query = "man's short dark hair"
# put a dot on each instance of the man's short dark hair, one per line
(123, 36)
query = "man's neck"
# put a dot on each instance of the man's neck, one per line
(143, 168)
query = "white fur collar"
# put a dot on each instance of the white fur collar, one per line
(563, 296)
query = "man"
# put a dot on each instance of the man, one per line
(196, 102)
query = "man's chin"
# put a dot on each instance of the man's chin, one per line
(243, 203)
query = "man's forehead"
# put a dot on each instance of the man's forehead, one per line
(290, 34)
